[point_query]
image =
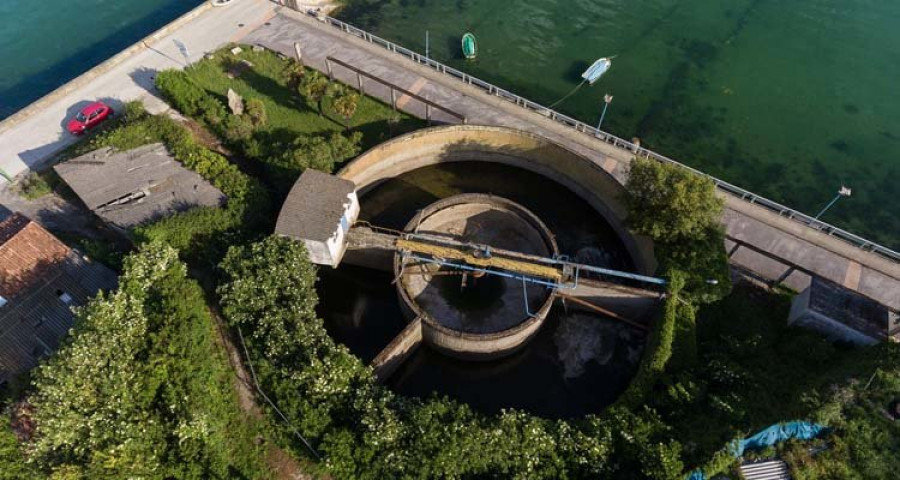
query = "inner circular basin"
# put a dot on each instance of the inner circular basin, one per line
(470, 301)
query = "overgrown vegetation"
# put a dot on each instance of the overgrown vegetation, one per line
(34, 186)
(202, 234)
(363, 430)
(680, 211)
(140, 389)
(294, 117)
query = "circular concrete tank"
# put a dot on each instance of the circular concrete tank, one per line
(463, 143)
(469, 314)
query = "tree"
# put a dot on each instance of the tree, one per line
(668, 203)
(345, 103)
(318, 152)
(680, 211)
(314, 88)
(140, 389)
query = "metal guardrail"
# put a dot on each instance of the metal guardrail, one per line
(577, 125)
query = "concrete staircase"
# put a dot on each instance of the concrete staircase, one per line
(768, 470)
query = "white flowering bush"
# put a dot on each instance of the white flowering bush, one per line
(138, 390)
(363, 430)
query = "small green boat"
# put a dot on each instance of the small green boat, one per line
(469, 47)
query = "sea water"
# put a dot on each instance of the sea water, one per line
(790, 99)
(44, 44)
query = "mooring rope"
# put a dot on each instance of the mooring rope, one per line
(568, 94)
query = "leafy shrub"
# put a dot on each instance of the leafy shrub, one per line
(659, 344)
(34, 186)
(163, 403)
(237, 128)
(363, 430)
(211, 110)
(177, 88)
(680, 211)
(133, 111)
(317, 152)
(256, 110)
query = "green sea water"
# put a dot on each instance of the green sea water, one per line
(46, 43)
(790, 99)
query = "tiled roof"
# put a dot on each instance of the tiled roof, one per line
(40, 280)
(27, 251)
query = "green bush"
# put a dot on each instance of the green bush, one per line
(34, 186)
(211, 110)
(237, 128)
(256, 110)
(316, 152)
(658, 350)
(178, 89)
(680, 211)
(363, 430)
(202, 233)
(140, 388)
(133, 111)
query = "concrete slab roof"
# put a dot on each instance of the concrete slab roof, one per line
(134, 187)
(314, 206)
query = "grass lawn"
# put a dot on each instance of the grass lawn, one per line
(288, 114)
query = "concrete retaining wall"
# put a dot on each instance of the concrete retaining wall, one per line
(398, 351)
(470, 346)
(507, 146)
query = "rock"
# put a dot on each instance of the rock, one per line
(236, 50)
(235, 102)
(209, 56)
(257, 48)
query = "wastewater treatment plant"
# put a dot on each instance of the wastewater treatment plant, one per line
(474, 270)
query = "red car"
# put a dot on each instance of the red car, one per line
(89, 117)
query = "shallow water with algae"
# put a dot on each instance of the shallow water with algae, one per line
(787, 99)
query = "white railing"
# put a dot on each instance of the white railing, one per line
(582, 127)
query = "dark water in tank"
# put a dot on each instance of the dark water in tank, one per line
(577, 364)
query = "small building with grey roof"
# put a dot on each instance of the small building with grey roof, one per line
(319, 210)
(845, 315)
(137, 186)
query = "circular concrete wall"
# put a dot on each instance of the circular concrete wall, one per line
(427, 290)
(459, 143)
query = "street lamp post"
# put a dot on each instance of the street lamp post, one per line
(607, 99)
(843, 192)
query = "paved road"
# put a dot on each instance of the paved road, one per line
(812, 250)
(29, 143)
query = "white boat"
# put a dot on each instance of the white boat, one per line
(597, 69)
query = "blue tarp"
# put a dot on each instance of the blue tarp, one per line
(774, 434)
(770, 436)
